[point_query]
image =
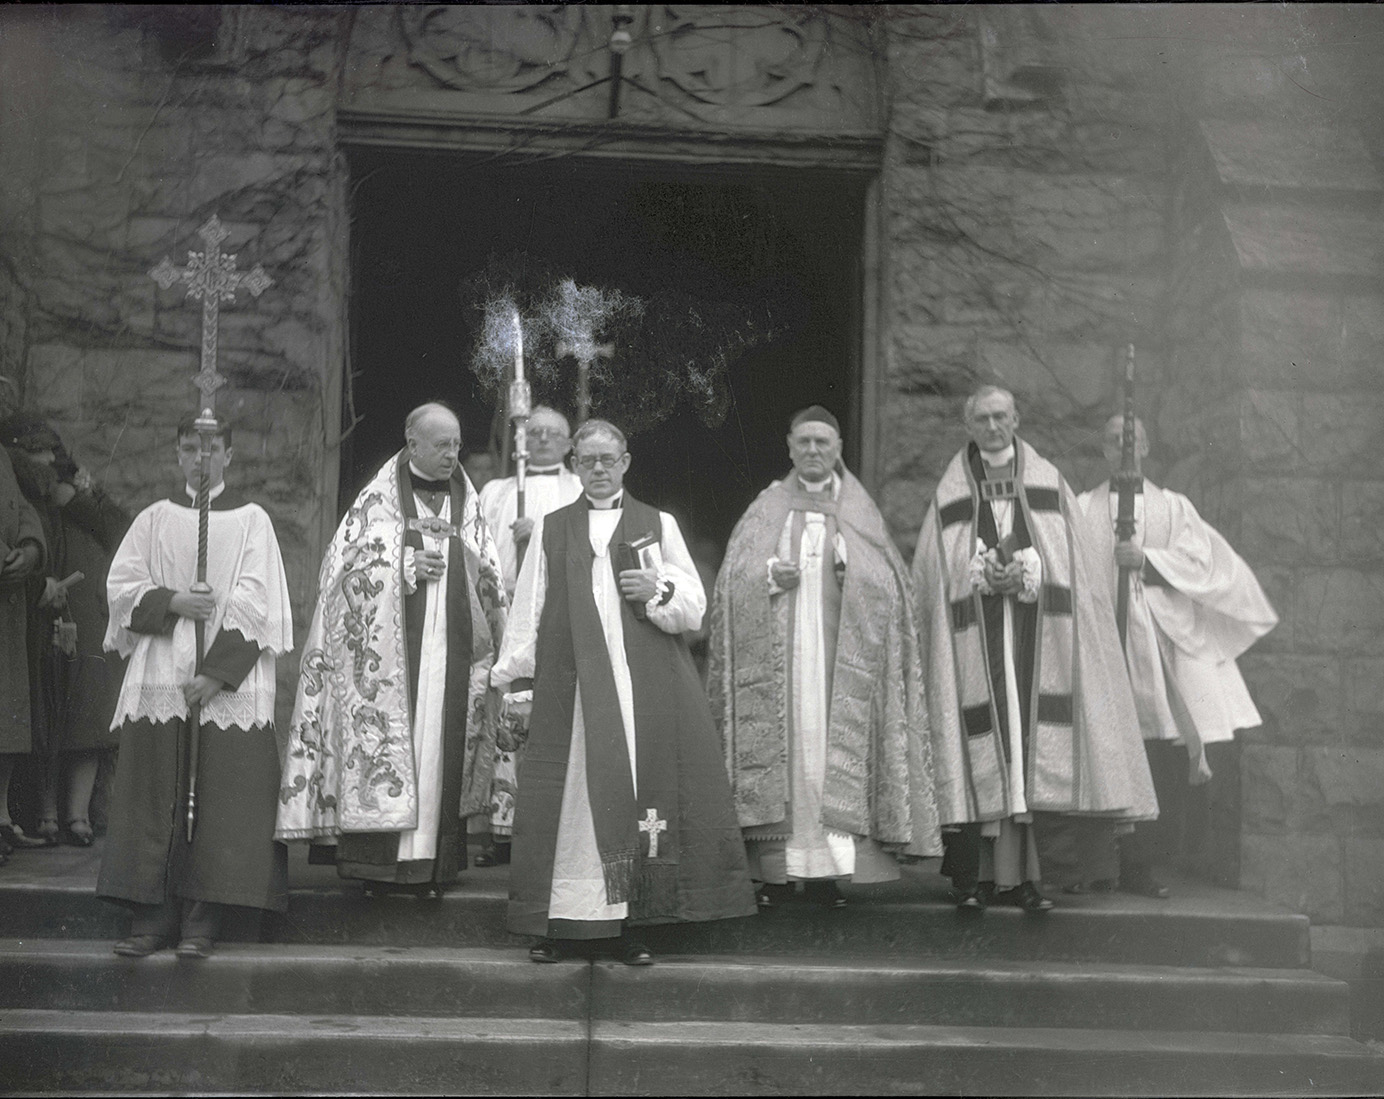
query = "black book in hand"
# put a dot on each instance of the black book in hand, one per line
(627, 558)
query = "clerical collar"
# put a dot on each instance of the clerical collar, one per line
(212, 495)
(543, 471)
(425, 484)
(999, 458)
(609, 504)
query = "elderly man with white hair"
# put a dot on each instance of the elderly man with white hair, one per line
(816, 682)
(1030, 709)
(392, 742)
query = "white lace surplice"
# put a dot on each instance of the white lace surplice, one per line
(246, 573)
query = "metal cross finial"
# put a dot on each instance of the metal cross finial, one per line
(211, 277)
(653, 825)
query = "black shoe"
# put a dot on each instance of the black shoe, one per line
(77, 834)
(977, 899)
(198, 946)
(771, 896)
(826, 893)
(1030, 899)
(546, 950)
(14, 838)
(1145, 885)
(141, 946)
(495, 854)
(636, 953)
(1086, 888)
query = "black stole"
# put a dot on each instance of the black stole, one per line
(1025, 614)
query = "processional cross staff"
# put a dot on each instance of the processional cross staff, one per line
(1127, 483)
(211, 276)
(520, 405)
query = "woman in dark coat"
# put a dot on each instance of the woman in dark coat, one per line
(22, 552)
(75, 683)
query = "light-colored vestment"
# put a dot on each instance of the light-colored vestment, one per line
(245, 571)
(1183, 638)
(543, 493)
(392, 738)
(818, 691)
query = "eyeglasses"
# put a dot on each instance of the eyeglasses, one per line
(546, 433)
(605, 461)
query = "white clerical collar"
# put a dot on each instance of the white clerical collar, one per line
(815, 486)
(610, 503)
(999, 458)
(558, 468)
(212, 495)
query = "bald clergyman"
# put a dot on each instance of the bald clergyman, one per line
(392, 742)
(816, 683)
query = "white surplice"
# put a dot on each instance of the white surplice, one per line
(578, 891)
(811, 851)
(499, 500)
(1182, 641)
(246, 572)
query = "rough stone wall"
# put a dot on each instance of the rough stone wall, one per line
(1205, 182)
(1277, 394)
(1026, 236)
(153, 122)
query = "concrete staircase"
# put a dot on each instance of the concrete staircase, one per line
(1209, 993)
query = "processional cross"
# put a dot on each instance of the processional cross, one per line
(653, 825)
(212, 277)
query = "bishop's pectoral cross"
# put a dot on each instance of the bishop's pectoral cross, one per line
(212, 277)
(653, 825)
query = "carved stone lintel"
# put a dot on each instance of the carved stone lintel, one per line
(752, 66)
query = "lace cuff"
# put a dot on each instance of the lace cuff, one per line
(976, 570)
(1032, 565)
(410, 572)
(774, 589)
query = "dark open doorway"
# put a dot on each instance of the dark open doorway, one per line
(424, 222)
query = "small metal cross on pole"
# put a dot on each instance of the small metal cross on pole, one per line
(211, 276)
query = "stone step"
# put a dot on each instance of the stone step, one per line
(242, 978)
(721, 1058)
(456, 982)
(979, 994)
(59, 1052)
(909, 919)
(63, 1051)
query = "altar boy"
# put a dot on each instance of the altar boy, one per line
(178, 889)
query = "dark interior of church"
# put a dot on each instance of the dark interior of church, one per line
(787, 244)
